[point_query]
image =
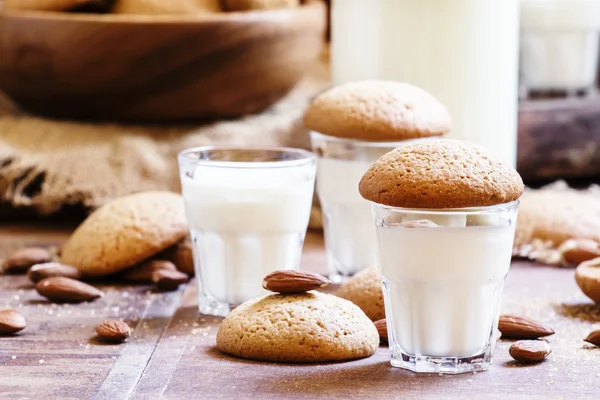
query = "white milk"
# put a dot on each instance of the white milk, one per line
(349, 233)
(464, 52)
(246, 223)
(443, 286)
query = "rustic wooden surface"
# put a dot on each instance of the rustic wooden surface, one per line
(559, 138)
(156, 68)
(171, 353)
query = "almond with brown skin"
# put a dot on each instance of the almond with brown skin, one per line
(288, 281)
(11, 321)
(594, 338)
(587, 276)
(169, 280)
(529, 351)
(66, 290)
(21, 260)
(381, 326)
(112, 330)
(51, 269)
(519, 327)
(576, 251)
(142, 273)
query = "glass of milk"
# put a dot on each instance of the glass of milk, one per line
(350, 240)
(248, 211)
(443, 273)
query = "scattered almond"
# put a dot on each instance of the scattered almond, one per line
(587, 276)
(420, 223)
(181, 254)
(51, 269)
(113, 331)
(67, 290)
(168, 280)
(21, 260)
(11, 321)
(594, 338)
(381, 326)
(519, 327)
(576, 251)
(289, 281)
(142, 273)
(529, 351)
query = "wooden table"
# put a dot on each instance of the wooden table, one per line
(172, 355)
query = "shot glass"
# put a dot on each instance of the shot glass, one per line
(350, 240)
(248, 211)
(443, 273)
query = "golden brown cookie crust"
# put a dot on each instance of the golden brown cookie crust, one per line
(440, 174)
(125, 232)
(377, 111)
(364, 290)
(307, 327)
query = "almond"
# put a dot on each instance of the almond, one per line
(381, 326)
(142, 273)
(21, 260)
(51, 269)
(289, 281)
(113, 331)
(529, 351)
(594, 338)
(66, 290)
(587, 276)
(181, 254)
(576, 251)
(518, 327)
(168, 280)
(11, 321)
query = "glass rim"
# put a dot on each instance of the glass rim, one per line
(512, 205)
(305, 157)
(373, 143)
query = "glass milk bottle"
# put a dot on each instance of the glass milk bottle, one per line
(464, 52)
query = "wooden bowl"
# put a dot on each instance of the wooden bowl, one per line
(149, 68)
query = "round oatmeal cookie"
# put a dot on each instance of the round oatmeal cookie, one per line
(126, 231)
(383, 111)
(440, 174)
(306, 327)
(364, 290)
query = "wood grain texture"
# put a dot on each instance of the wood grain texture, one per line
(171, 353)
(559, 138)
(156, 68)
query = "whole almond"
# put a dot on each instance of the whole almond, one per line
(168, 280)
(66, 290)
(529, 351)
(51, 269)
(594, 338)
(576, 251)
(587, 276)
(142, 273)
(519, 327)
(181, 254)
(11, 321)
(289, 281)
(112, 330)
(21, 260)
(381, 326)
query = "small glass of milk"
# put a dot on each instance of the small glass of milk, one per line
(443, 273)
(350, 240)
(248, 210)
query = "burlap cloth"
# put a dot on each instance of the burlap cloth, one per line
(47, 165)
